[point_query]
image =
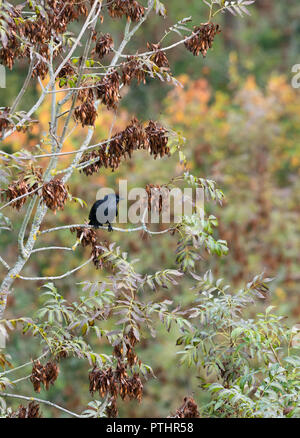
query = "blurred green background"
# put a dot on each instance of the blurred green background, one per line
(240, 117)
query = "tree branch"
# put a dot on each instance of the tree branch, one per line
(24, 88)
(39, 400)
(58, 277)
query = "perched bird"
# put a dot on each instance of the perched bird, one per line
(104, 211)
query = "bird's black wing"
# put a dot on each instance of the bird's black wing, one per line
(92, 216)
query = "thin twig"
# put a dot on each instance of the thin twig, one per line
(24, 226)
(58, 277)
(85, 26)
(20, 197)
(4, 263)
(122, 230)
(80, 76)
(4, 373)
(39, 400)
(48, 248)
(23, 89)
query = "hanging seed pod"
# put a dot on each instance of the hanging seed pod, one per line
(86, 113)
(159, 57)
(202, 39)
(134, 137)
(131, 8)
(158, 139)
(45, 375)
(112, 409)
(31, 411)
(104, 46)
(133, 69)
(15, 190)
(87, 92)
(87, 236)
(95, 164)
(51, 374)
(66, 72)
(189, 409)
(55, 194)
(5, 122)
(37, 376)
(108, 90)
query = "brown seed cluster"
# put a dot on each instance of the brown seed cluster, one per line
(45, 375)
(59, 15)
(5, 122)
(40, 70)
(86, 113)
(125, 349)
(55, 194)
(159, 57)
(104, 46)
(158, 139)
(108, 90)
(189, 409)
(112, 409)
(111, 158)
(153, 138)
(7, 56)
(93, 158)
(66, 72)
(202, 39)
(96, 253)
(9, 35)
(41, 67)
(154, 199)
(62, 354)
(31, 411)
(21, 33)
(134, 137)
(88, 237)
(130, 8)
(26, 183)
(133, 69)
(116, 382)
(87, 92)
(15, 190)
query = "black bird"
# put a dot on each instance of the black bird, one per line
(104, 211)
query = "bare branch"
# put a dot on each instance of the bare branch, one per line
(59, 277)
(24, 88)
(4, 263)
(20, 197)
(122, 230)
(46, 402)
